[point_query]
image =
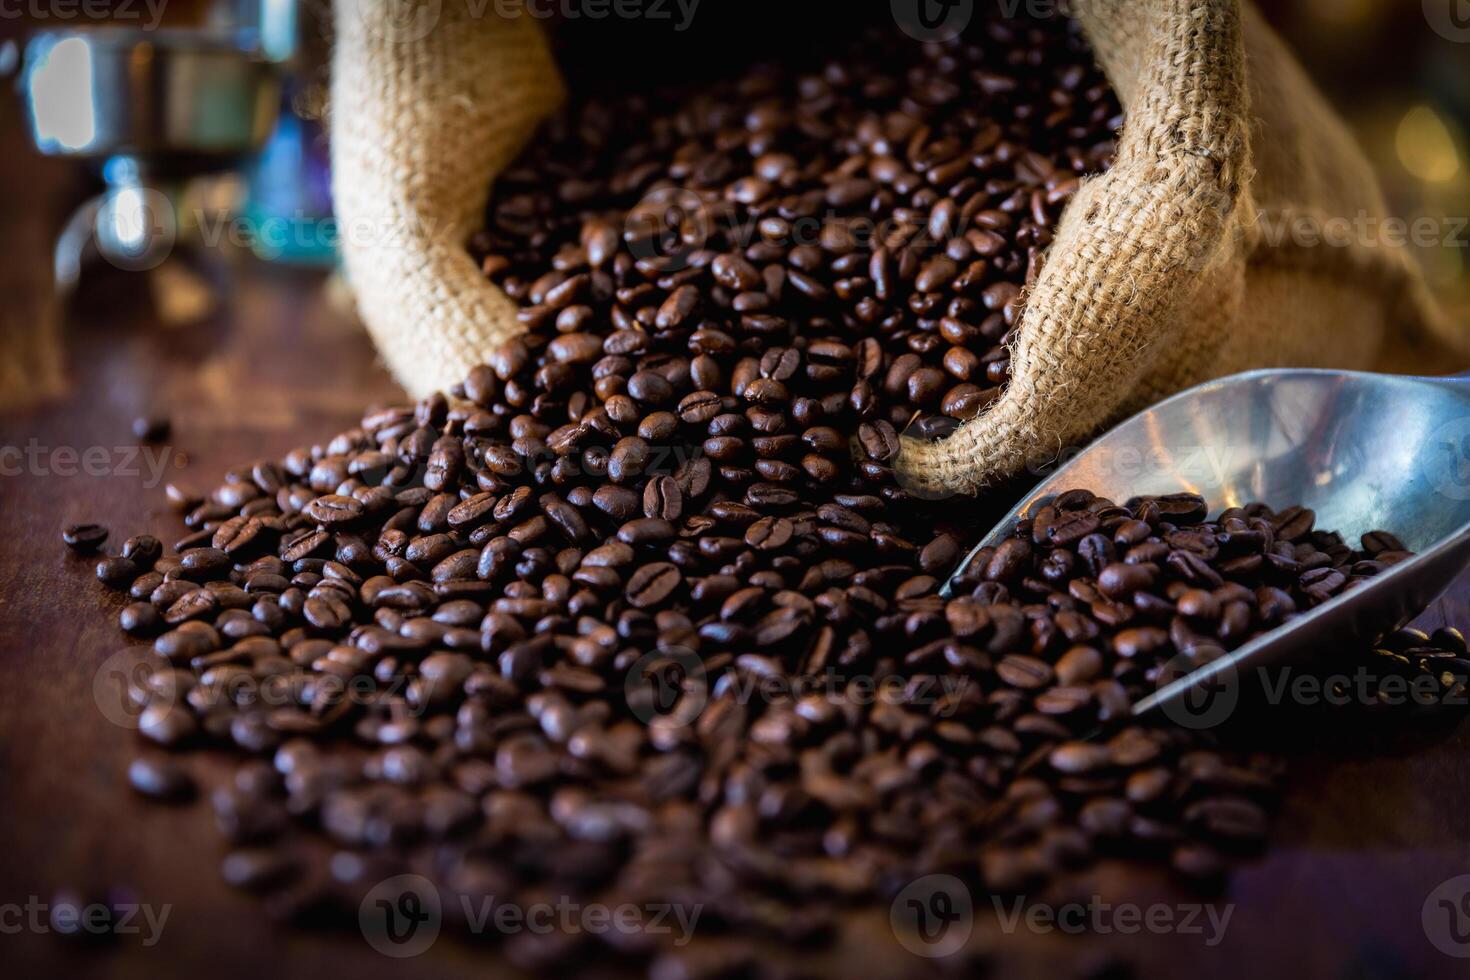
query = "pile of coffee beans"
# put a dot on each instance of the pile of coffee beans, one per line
(640, 615)
(426, 685)
(843, 243)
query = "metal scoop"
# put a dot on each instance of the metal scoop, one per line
(1365, 451)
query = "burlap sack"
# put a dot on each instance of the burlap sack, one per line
(1193, 257)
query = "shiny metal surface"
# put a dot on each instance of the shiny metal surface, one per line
(156, 109)
(1364, 451)
(184, 95)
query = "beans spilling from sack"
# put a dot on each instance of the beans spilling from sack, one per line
(640, 616)
(874, 221)
(502, 725)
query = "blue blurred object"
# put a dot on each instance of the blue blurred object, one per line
(152, 110)
(288, 209)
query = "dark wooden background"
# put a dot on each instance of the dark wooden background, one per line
(1374, 820)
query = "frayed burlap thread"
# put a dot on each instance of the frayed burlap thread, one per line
(1168, 270)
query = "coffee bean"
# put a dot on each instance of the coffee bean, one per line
(651, 584)
(1079, 665)
(1008, 560)
(333, 510)
(196, 604)
(151, 428)
(117, 573)
(1181, 508)
(1197, 861)
(650, 388)
(628, 459)
(879, 440)
(257, 869)
(472, 512)
(1073, 529)
(1120, 580)
(160, 779)
(663, 499)
(187, 641)
(238, 535)
(202, 564)
(1079, 757)
(769, 533)
(143, 549)
(139, 619)
(304, 544)
(167, 724)
(84, 538)
(326, 612)
(646, 531)
(1027, 673)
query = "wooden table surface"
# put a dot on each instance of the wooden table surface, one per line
(1374, 820)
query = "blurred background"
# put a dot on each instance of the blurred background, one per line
(181, 144)
(1399, 72)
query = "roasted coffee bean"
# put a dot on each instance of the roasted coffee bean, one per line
(140, 619)
(1079, 665)
(161, 779)
(1197, 861)
(663, 499)
(143, 549)
(117, 573)
(1027, 673)
(84, 538)
(1073, 528)
(257, 869)
(1079, 757)
(167, 724)
(196, 604)
(188, 641)
(1121, 579)
(333, 510)
(204, 564)
(652, 584)
(879, 440)
(769, 533)
(151, 428)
